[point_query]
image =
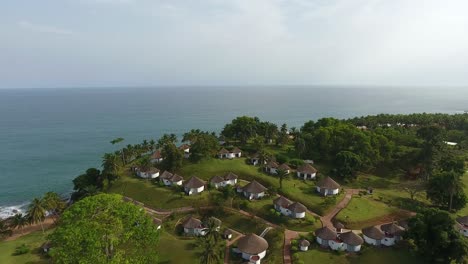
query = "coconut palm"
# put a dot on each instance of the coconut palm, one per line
(116, 141)
(282, 175)
(37, 212)
(110, 162)
(18, 221)
(53, 204)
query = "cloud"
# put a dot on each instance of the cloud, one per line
(24, 24)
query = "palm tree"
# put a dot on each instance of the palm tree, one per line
(37, 212)
(53, 204)
(282, 174)
(110, 162)
(116, 141)
(152, 145)
(5, 230)
(19, 221)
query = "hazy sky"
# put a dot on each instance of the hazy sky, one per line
(70, 43)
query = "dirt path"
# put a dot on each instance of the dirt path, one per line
(17, 233)
(229, 243)
(327, 219)
(288, 237)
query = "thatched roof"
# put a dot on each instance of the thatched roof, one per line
(252, 244)
(255, 156)
(392, 229)
(306, 169)
(325, 233)
(176, 178)
(373, 232)
(236, 150)
(166, 175)
(328, 183)
(304, 243)
(463, 220)
(284, 166)
(230, 176)
(223, 151)
(338, 225)
(217, 179)
(297, 208)
(254, 187)
(191, 223)
(272, 164)
(194, 182)
(227, 232)
(351, 238)
(282, 201)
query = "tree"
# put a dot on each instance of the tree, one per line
(434, 237)
(283, 136)
(173, 157)
(110, 163)
(209, 244)
(165, 140)
(5, 230)
(299, 146)
(347, 164)
(36, 212)
(116, 141)
(204, 145)
(431, 148)
(53, 204)
(258, 143)
(241, 128)
(446, 190)
(413, 188)
(104, 229)
(282, 175)
(92, 177)
(19, 221)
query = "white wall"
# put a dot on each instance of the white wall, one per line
(298, 215)
(388, 241)
(335, 245)
(371, 241)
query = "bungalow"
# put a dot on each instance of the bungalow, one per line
(373, 235)
(150, 173)
(156, 157)
(193, 227)
(327, 186)
(170, 179)
(289, 208)
(227, 234)
(194, 185)
(304, 245)
(237, 152)
(306, 172)
(157, 222)
(351, 241)
(223, 153)
(392, 233)
(226, 154)
(228, 179)
(463, 221)
(254, 190)
(328, 238)
(186, 149)
(252, 247)
(273, 167)
(255, 159)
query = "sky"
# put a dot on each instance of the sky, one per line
(106, 43)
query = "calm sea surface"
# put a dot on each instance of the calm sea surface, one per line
(49, 136)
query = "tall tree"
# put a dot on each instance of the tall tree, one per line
(446, 190)
(283, 136)
(431, 148)
(166, 139)
(104, 229)
(209, 244)
(19, 221)
(241, 128)
(282, 175)
(92, 177)
(173, 156)
(347, 164)
(37, 212)
(204, 146)
(53, 204)
(117, 141)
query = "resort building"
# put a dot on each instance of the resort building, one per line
(351, 241)
(306, 172)
(255, 159)
(253, 248)
(328, 238)
(304, 245)
(393, 233)
(194, 186)
(272, 167)
(150, 173)
(373, 235)
(222, 181)
(193, 227)
(226, 154)
(254, 190)
(186, 149)
(327, 186)
(463, 221)
(289, 208)
(156, 157)
(227, 234)
(170, 179)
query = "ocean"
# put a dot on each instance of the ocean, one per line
(50, 136)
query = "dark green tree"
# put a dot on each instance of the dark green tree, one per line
(446, 190)
(19, 221)
(241, 128)
(282, 175)
(37, 212)
(173, 156)
(347, 165)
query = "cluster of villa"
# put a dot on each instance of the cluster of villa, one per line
(230, 154)
(223, 181)
(272, 167)
(386, 235)
(289, 208)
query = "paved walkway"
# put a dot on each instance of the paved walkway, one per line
(288, 237)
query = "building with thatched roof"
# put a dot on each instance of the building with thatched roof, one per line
(327, 186)
(254, 190)
(174, 179)
(271, 167)
(193, 227)
(463, 222)
(306, 172)
(304, 244)
(227, 234)
(150, 173)
(222, 181)
(326, 237)
(393, 233)
(252, 247)
(289, 208)
(226, 154)
(194, 186)
(255, 159)
(373, 235)
(156, 157)
(351, 241)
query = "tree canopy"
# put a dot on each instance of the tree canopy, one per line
(104, 229)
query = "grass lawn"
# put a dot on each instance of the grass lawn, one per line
(293, 188)
(369, 255)
(33, 241)
(364, 211)
(174, 250)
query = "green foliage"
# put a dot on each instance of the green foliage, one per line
(347, 165)
(21, 250)
(104, 229)
(5, 230)
(280, 158)
(432, 235)
(446, 190)
(204, 145)
(81, 184)
(296, 162)
(173, 156)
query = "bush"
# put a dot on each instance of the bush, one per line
(281, 158)
(294, 248)
(23, 249)
(296, 162)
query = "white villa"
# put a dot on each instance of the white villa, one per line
(151, 173)
(222, 181)
(463, 221)
(193, 227)
(289, 208)
(304, 245)
(253, 248)
(226, 154)
(170, 179)
(194, 186)
(254, 190)
(156, 157)
(373, 235)
(393, 233)
(351, 241)
(306, 172)
(348, 241)
(327, 186)
(273, 167)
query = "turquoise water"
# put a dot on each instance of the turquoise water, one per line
(49, 136)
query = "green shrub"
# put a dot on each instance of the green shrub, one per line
(296, 162)
(281, 158)
(294, 248)
(23, 249)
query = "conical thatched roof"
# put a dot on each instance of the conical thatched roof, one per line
(304, 243)
(392, 229)
(272, 164)
(252, 244)
(223, 151)
(325, 233)
(351, 238)
(236, 150)
(297, 208)
(284, 166)
(282, 201)
(373, 232)
(328, 183)
(338, 225)
(194, 183)
(191, 223)
(230, 176)
(254, 187)
(217, 179)
(166, 175)
(176, 178)
(306, 169)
